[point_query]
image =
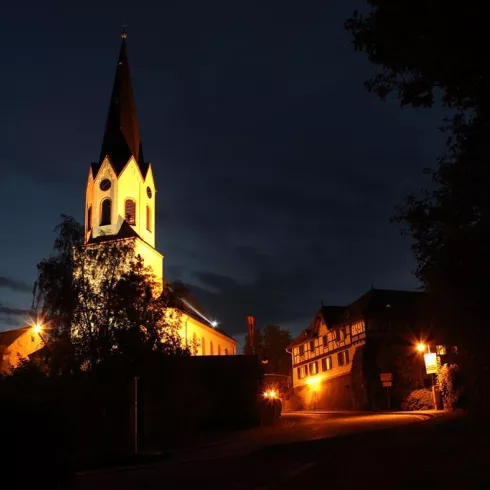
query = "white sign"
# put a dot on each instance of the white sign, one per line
(430, 363)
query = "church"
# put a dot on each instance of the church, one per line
(120, 204)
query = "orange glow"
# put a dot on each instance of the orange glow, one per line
(421, 347)
(314, 382)
(271, 394)
(37, 328)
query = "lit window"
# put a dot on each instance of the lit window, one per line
(130, 211)
(89, 218)
(324, 364)
(329, 362)
(148, 218)
(306, 370)
(105, 212)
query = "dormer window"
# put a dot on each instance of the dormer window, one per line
(105, 212)
(130, 211)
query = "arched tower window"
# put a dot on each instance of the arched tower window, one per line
(105, 212)
(130, 211)
(89, 218)
(203, 346)
(148, 218)
(219, 349)
(211, 348)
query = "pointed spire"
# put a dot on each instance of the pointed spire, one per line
(122, 137)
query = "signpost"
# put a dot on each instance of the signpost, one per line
(430, 363)
(387, 382)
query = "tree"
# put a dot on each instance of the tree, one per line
(102, 305)
(271, 345)
(432, 52)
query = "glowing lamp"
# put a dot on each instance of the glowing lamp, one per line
(37, 328)
(214, 323)
(421, 347)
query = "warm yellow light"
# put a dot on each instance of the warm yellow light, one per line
(314, 381)
(37, 328)
(421, 347)
(271, 394)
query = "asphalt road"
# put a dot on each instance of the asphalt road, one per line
(255, 459)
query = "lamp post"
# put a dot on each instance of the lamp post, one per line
(421, 347)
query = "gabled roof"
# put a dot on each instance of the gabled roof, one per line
(332, 314)
(377, 300)
(121, 136)
(126, 231)
(8, 337)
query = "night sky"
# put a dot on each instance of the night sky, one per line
(277, 172)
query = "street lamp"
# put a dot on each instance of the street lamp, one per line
(37, 328)
(421, 347)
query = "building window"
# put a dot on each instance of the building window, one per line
(325, 341)
(327, 363)
(342, 334)
(314, 367)
(211, 348)
(340, 358)
(130, 211)
(306, 369)
(357, 328)
(299, 373)
(105, 212)
(148, 218)
(219, 349)
(203, 346)
(312, 346)
(343, 357)
(301, 350)
(89, 218)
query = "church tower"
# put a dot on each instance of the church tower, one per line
(120, 194)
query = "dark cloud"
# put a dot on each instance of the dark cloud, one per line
(8, 310)
(15, 285)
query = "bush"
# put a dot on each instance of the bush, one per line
(419, 400)
(450, 387)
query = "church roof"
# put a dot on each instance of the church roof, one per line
(126, 231)
(122, 137)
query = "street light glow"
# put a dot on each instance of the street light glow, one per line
(214, 323)
(271, 394)
(37, 328)
(421, 347)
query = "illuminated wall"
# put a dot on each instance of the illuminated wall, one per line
(24, 345)
(205, 340)
(129, 185)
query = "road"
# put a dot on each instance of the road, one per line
(252, 459)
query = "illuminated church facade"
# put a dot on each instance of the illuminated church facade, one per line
(120, 204)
